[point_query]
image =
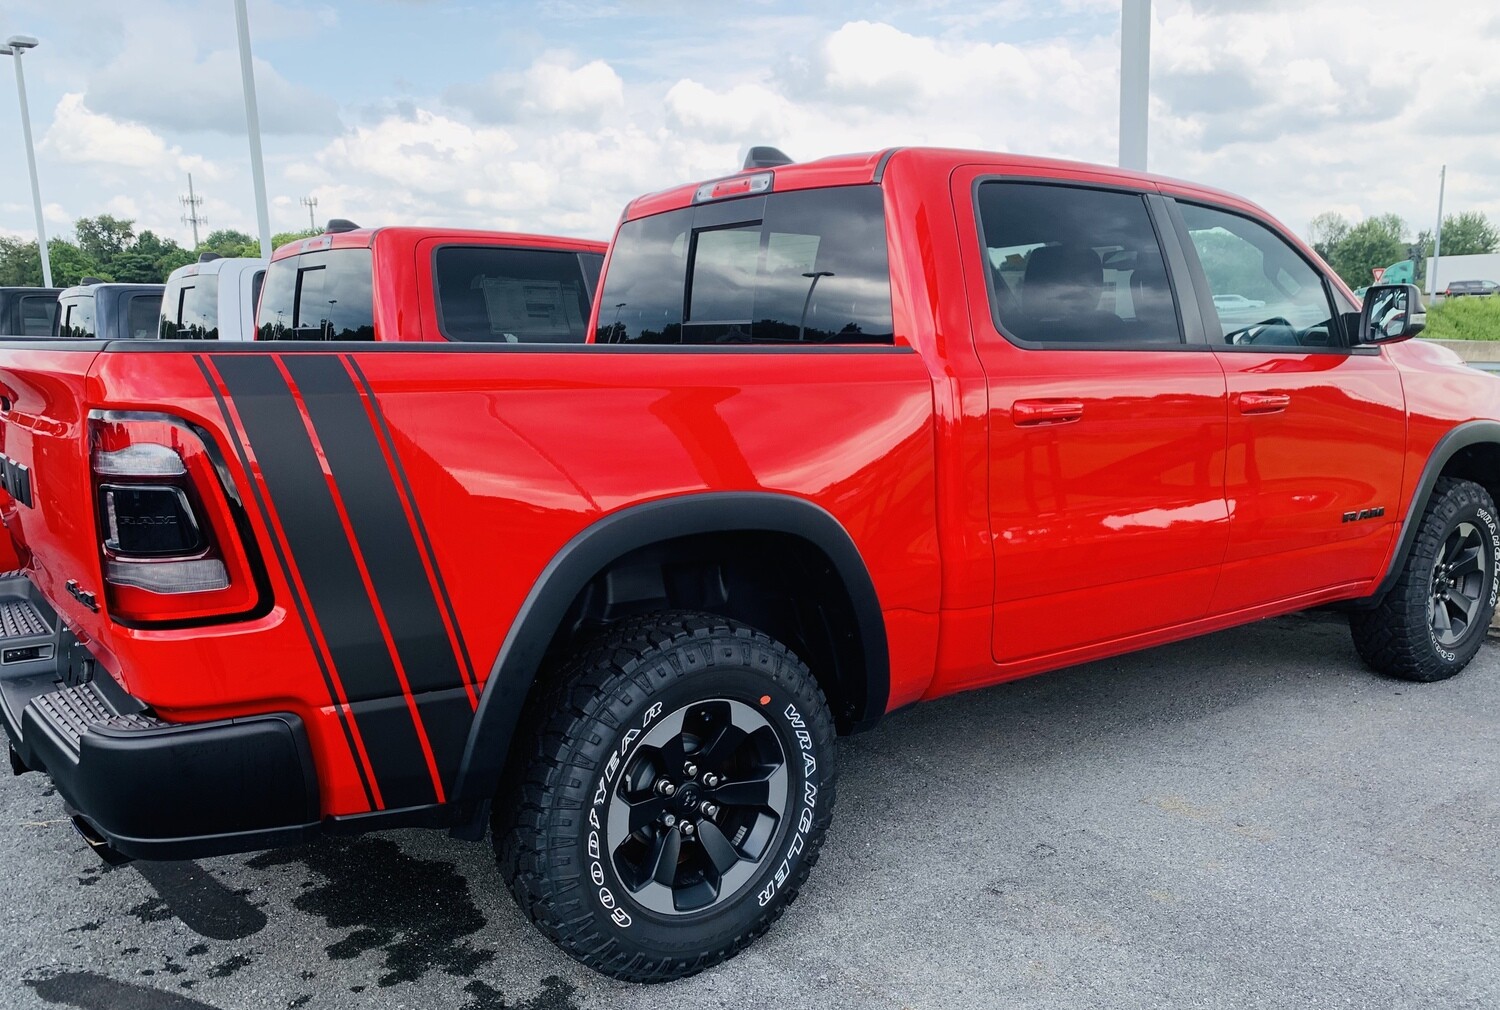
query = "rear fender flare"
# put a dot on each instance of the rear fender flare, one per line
(612, 537)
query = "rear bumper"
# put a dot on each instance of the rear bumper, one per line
(148, 788)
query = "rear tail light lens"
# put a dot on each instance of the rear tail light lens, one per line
(172, 538)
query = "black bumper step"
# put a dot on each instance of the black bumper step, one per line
(22, 619)
(74, 711)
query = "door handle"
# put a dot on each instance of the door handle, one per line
(1264, 403)
(1027, 412)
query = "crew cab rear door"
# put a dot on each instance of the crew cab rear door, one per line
(1317, 428)
(1106, 412)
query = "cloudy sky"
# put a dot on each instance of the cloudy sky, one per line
(548, 116)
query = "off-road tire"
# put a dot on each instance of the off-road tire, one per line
(1397, 637)
(548, 814)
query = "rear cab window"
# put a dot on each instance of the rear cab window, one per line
(513, 295)
(76, 317)
(142, 312)
(325, 295)
(190, 308)
(38, 313)
(798, 268)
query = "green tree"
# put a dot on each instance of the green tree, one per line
(1326, 232)
(1374, 242)
(71, 264)
(228, 242)
(1469, 233)
(281, 238)
(103, 237)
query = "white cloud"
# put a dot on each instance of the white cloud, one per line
(80, 135)
(551, 88)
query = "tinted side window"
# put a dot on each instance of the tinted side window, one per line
(809, 267)
(593, 265)
(77, 318)
(1265, 294)
(190, 308)
(1075, 266)
(37, 315)
(510, 295)
(319, 296)
(141, 314)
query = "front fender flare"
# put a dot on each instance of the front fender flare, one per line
(1459, 438)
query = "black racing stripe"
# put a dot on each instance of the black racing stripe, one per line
(385, 537)
(320, 545)
(297, 602)
(437, 573)
(447, 715)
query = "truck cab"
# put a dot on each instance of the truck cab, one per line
(430, 285)
(28, 312)
(213, 299)
(99, 310)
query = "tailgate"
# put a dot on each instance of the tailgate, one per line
(44, 476)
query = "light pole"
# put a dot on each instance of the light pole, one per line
(14, 47)
(252, 124)
(1135, 82)
(1437, 236)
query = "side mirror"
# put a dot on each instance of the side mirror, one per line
(1391, 312)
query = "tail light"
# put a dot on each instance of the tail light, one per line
(173, 541)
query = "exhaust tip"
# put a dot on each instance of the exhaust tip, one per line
(98, 843)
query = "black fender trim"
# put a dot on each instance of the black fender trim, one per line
(619, 533)
(1461, 437)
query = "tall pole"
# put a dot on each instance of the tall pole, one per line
(311, 203)
(252, 124)
(36, 188)
(191, 203)
(1135, 81)
(1437, 236)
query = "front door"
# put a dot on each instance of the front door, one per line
(1317, 429)
(1107, 417)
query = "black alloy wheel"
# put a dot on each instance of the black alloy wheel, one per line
(1460, 579)
(695, 811)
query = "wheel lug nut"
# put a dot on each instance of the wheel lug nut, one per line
(687, 828)
(690, 770)
(711, 780)
(669, 820)
(665, 788)
(708, 809)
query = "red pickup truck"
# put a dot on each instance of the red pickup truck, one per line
(849, 435)
(429, 284)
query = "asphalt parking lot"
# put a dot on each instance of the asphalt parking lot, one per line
(1247, 820)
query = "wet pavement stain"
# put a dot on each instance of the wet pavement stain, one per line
(151, 910)
(229, 966)
(555, 995)
(415, 912)
(87, 990)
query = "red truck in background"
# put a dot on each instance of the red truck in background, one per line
(429, 284)
(848, 435)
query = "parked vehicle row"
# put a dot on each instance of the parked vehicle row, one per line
(457, 543)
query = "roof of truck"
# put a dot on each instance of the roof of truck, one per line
(871, 166)
(366, 238)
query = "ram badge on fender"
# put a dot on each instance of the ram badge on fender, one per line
(844, 436)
